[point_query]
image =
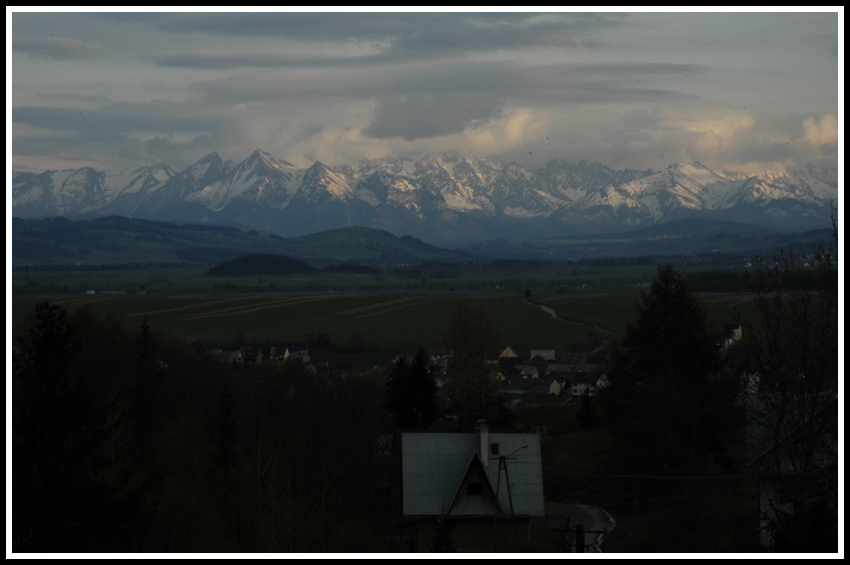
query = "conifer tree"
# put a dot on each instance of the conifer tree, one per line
(669, 401)
(473, 337)
(412, 392)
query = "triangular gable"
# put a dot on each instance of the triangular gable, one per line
(467, 500)
(434, 466)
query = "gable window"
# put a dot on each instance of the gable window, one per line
(494, 449)
(474, 489)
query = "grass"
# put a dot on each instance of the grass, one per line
(388, 321)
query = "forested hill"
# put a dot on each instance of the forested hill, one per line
(117, 240)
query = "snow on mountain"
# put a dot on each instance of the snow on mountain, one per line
(447, 195)
(320, 182)
(143, 179)
(260, 177)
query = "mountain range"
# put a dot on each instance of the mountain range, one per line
(443, 199)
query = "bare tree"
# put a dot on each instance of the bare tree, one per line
(789, 353)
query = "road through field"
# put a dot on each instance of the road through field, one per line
(190, 306)
(552, 312)
(384, 304)
(239, 310)
(399, 307)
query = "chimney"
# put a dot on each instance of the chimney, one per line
(485, 441)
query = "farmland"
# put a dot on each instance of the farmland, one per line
(388, 322)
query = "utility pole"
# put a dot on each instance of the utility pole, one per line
(503, 464)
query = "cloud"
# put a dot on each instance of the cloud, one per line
(429, 115)
(387, 38)
(337, 146)
(228, 60)
(400, 86)
(123, 117)
(713, 133)
(507, 133)
(56, 48)
(772, 153)
(821, 132)
(154, 150)
(408, 32)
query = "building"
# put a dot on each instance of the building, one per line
(482, 483)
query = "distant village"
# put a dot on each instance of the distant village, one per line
(544, 376)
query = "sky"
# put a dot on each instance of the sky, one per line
(739, 92)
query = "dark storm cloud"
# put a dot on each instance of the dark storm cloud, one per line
(233, 61)
(403, 37)
(428, 115)
(476, 34)
(156, 150)
(597, 83)
(56, 48)
(59, 142)
(201, 141)
(631, 69)
(472, 29)
(317, 26)
(357, 84)
(151, 116)
(572, 84)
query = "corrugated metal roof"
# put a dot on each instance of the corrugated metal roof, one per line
(434, 465)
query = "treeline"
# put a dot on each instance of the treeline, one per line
(99, 267)
(350, 268)
(122, 223)
(127, 441)
(744, 281)
(263, 264)
(260, 265)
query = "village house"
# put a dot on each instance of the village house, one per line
(486, 486)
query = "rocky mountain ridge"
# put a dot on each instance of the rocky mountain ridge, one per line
(445, 198)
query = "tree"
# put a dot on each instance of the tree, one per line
(71, 445)
(586, 414)
(474, 338)
(668, 400)
(789, 353)
(412, 392)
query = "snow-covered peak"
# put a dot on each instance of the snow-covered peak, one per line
(259, 156)
(130, 181)
(320, 178)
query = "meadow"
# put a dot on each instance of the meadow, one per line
(384, 321)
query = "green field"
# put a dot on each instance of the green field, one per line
(402, 308)
(388, 321)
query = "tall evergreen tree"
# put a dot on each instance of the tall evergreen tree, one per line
(412, 392)
(70, 445)
(668, 400)
(473, 337)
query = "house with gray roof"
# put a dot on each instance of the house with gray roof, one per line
(467, 477)
(471, 474)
